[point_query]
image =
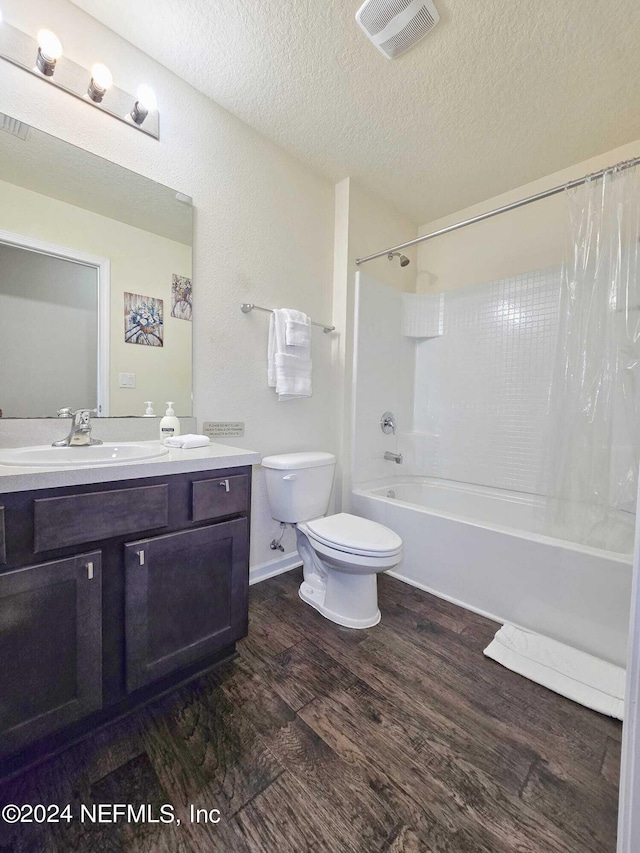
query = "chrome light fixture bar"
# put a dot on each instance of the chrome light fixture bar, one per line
(43, 57)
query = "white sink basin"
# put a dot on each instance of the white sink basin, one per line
(47, 456)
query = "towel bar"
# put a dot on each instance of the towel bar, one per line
(249, 306)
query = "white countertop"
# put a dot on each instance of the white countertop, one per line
(209, 458)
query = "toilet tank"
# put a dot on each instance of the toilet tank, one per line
(299, 484)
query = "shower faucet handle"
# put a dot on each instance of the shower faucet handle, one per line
(388, 423)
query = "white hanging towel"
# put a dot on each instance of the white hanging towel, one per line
(577, 675)
(298, 332)
(293, 376)
(289, 365)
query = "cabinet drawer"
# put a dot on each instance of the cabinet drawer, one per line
(94, 516)
(220, 496)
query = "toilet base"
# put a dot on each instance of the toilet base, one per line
(346, 599)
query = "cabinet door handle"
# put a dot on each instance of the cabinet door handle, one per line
(90, 571)
(140, 557)
(224, 483)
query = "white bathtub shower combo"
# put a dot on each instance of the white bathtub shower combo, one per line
(486, 546)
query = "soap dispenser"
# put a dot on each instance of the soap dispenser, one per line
(169, 425)
(149, 413)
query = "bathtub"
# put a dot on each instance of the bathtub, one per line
(483, 549)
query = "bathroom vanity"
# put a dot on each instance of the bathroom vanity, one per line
(117, 584)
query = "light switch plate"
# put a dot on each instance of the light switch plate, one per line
(127, 380)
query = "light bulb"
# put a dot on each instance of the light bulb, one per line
(49, 44)
(101, 80)
(147, 99)
(101, 76)
(49, 51)
(145, 104)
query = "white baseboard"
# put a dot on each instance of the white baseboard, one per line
(274, 567)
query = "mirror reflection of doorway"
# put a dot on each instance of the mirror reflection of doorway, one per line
(50, 337)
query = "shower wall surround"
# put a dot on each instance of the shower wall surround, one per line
(468, 374)
(482, 387)
(383, 375)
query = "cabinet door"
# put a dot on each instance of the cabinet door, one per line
(50, 648)
(186, 597)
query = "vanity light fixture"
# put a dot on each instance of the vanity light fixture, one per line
(146, 103)
(101, 80)
(94, 87)
(49, 52)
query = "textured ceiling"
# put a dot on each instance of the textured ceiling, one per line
(500, 93)
(55, 168)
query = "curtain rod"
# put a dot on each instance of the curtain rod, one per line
(249, 306)
(504, 209)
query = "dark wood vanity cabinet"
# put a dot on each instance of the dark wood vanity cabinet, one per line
(113, 594)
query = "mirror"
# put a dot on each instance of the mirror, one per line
(95, 283)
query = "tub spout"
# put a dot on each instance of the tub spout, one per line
(393, 457)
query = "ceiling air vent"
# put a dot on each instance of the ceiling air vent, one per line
(13, 126)
(394, 26)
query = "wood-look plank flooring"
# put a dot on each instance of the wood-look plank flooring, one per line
(317, 738)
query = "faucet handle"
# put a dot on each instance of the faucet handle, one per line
(388, 423)
(65, 413)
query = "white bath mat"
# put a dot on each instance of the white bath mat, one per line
(577, 675)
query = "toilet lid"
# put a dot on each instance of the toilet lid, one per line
(358, 535)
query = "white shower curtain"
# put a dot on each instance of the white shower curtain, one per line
(594, 444)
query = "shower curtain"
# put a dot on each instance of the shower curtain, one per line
(594, 442)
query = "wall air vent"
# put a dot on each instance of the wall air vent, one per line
(13, 126)
(394, 26)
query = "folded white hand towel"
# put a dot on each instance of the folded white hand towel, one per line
(298, 333)
(293, 376)
(188, 441)
(290, 378)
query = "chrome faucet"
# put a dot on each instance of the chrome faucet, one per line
(393, 457)
(80, 432)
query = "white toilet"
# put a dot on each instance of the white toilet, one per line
(341, 554)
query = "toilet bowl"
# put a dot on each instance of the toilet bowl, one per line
(341, 554)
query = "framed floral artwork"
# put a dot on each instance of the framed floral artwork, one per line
(143, 320)
(181, 298)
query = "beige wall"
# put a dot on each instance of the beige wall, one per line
(48, 341)
(263, 232)
(529, 238)
(141, 263)
(364, 224)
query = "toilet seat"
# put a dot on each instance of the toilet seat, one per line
(351, 534)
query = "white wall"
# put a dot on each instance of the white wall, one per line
(529, 238)
(142, 263)
(263, 232)
(48, 342)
